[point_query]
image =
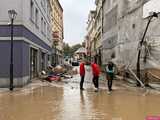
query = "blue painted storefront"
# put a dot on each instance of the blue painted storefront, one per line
(21, 54)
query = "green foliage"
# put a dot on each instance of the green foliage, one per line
(74, 48)
(67, 49)
(83, 44)
(70, 50)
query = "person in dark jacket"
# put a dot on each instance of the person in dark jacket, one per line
(96, 73)
(110, 68)
(82, 74)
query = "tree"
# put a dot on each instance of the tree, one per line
(83, 44)
(74, 48)
(67, 49)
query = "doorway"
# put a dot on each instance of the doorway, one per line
(33, 63)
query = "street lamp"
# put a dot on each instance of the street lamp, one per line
(12, 15)
(153, 14)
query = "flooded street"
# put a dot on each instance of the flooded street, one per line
(80, 60)
(64, 101)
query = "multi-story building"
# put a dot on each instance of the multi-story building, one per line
(57, 29)
(98, 32)
(94, 33)
(32, 40)
(90, 35)
(123, 28)
(110, 26)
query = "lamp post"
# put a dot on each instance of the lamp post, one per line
(12, 15)
(153, 14)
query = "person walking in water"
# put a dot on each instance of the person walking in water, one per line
(96, 73)
(82, 74)
(110, 75)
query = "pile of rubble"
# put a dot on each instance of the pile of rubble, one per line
(58, 73)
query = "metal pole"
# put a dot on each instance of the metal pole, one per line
(90, 55)
(55, 55)
(139, 52)
(11, 58)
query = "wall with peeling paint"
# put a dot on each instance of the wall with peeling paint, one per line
(129, 30)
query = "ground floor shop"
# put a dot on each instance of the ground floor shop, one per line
(57, 57)
(30, 56)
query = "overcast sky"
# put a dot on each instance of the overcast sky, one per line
(75, 18)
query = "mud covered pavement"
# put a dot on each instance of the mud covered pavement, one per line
(64, 101)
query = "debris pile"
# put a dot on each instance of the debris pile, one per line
(58, 73)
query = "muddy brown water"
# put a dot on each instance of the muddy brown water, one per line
(58, 103)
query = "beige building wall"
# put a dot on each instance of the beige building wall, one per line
(57, 25)
(90, 34)
(98, 32)
(94, 32)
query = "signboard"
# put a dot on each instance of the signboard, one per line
(151, 6)
(55, 34)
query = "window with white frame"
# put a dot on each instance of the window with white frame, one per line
(31, 10)
(48, 32)
(42, 3)
(44, 27)
(47, 9)
(36, 17)
(45, 5)
(42, 24)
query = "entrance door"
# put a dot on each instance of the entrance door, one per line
(42, 61)
(33, 63)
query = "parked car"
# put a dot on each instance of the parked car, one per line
(75, 63)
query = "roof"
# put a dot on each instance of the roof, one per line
(81, 50)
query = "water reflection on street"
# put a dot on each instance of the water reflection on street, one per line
(63, 102)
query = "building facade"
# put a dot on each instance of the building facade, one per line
(94, 33)
(89, 39)
(98, 32)
(32, 40)
(110, 32)
(57, 29)
(124, 24)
